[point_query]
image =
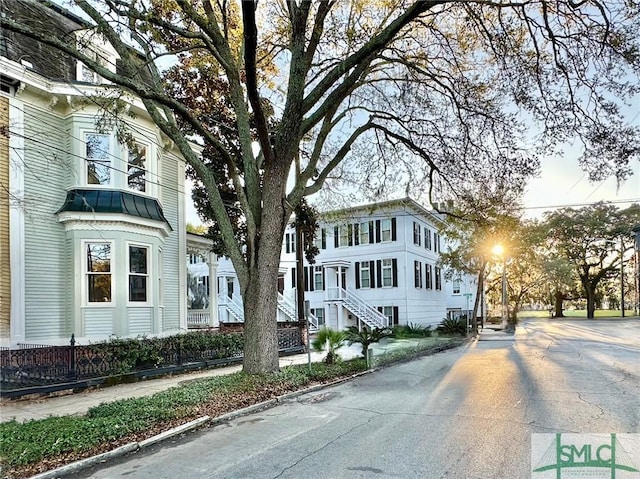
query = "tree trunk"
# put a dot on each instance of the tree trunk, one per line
(591, 302)
(558, 299)
(479, 295)
(260, 294)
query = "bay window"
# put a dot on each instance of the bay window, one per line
(98, 272)
(98, 156)
(138, 273)
(136, 168)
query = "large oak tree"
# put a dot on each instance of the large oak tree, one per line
(374, 89)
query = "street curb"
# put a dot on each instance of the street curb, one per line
(84, 463)
(192, 425)
(183, 428)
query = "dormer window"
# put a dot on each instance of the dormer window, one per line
(98, 155)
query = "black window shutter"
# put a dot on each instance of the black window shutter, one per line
(357, 275)
(371, 238)
(356, 234)
(350, 234)
(286, 243)
(394, 263)
(324, 281)
(377, 231)
(312, 278)
(396, 315)
(323, 233)
(306, 278)
(336, 238)
(372, 269)
(378, 274)
(293, 277)
(393, 229)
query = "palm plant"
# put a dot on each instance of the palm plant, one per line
(329, 340)
(366, 337)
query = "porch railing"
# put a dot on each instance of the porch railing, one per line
(198, 318)
(358, 306)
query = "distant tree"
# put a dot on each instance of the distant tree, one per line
(197, 229)
(589, 239)
(374, 91)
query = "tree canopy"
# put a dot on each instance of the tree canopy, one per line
(285, 95)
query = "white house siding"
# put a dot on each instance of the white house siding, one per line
(45, 265)
(414, 305)
(140, 320)
(98, 322)
(173, 255)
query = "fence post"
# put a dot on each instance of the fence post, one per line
(72, 357)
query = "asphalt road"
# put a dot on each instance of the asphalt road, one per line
(466, 413)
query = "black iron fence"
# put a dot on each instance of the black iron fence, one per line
(43, 369)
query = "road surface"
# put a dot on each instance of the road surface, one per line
(466, 413)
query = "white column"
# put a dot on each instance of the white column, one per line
(16, 221)
(212, 261)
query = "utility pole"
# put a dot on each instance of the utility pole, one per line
(299, 274)
(622, 275)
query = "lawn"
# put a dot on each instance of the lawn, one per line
(580, 313)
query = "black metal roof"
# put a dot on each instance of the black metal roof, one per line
(113, 201)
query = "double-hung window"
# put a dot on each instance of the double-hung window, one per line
(428, 270)
(344, 231)
(385, 228)
(364, 232)
(98, 272)
(417, 233)
(365, 274)
(387, 272)
(427, 238)
(417, 266)
(456, 286)
(136, 168)
(138, 273)
(318, 278)
(98, 156)
(438, 278)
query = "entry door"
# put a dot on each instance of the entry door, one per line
(281, 283)
(230, 287)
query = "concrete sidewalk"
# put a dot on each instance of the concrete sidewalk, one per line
(495, 333)
(79, 403)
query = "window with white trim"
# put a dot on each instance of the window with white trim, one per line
(364, 233)
(385, 229)
(417, 279)
(456, 286)
(160, 270)
(417, 233)
(318, 278)
(428, 270)
(365, 274)
(138, 273)
(387, 272)
(427, 238)
(98, 156)
(438, 278)
(319, 314)
(343, 232)
(136, 168)
(98, 272)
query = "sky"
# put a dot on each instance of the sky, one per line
(561, 183)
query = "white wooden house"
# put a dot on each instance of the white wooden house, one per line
(377, 266)
(92, 231)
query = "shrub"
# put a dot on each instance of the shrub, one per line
(365, 337)
(332, 341)
(412, 330)
(452, 326)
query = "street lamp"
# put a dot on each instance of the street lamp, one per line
(499, 251)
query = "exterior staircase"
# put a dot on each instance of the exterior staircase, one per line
(236, 310)
(288, 308)
(359, 307)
